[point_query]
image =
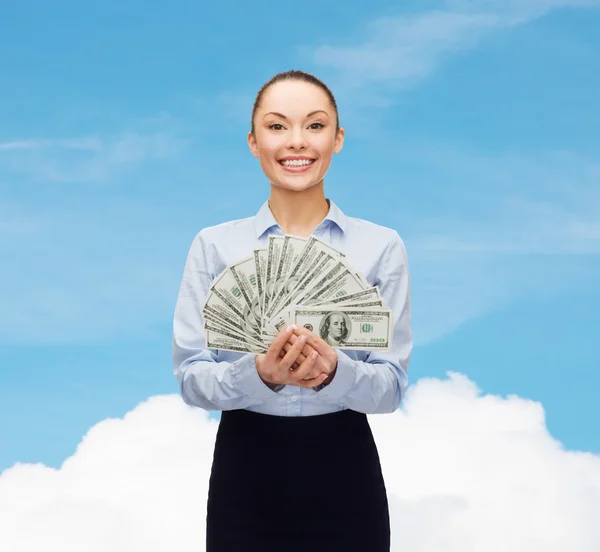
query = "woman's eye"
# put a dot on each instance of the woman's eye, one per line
(312, 126)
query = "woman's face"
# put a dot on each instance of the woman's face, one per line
(295, 120)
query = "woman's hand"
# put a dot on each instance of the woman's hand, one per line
(326, 361)
(274, 366)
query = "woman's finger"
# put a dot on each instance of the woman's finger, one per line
(305, 367)
(312, 382)
(308, 350)
(290, 357)
(272, 354)
(312, 340)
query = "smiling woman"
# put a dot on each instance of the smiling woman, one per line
(295, 132)
(295, 464)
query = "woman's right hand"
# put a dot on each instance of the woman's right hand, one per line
(274, 369)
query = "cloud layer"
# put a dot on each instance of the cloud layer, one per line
(92, 158)
(464, 471)
(402, 50)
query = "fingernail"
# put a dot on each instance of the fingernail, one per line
(289, 329)
(302, 338)
(315, 355)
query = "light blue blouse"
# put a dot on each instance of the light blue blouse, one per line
(368, 382)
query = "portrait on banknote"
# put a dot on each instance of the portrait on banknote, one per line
(335, 328)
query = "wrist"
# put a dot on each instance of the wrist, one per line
(330, 376)
(257, 362)
(269, 384)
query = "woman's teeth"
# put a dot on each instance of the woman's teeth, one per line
(300, 163)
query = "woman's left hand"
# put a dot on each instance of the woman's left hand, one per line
(326, 361)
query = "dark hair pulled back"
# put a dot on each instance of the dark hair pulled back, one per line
(294, 75)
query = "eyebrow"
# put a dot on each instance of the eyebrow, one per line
(284, 117)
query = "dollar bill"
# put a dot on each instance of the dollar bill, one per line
(339, 281)
(290, 251)
(221, 306)
(355, 328)
(244, 273)
(225, 329)
(227, 288)
(260, 262)
(218, 324)
(294, 280)
(216, 340)
(273, 254)
(313, 251)
(368, 294)
(285, 317)
(321, 264)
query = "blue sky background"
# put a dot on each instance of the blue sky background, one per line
(471, 128)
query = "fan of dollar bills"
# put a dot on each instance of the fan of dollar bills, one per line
(302, 281)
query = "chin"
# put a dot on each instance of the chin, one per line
(295, 186)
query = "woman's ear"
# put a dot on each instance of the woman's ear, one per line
(339, 141)
(252, 144)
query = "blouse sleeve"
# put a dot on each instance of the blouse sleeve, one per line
(377, 384)
(203, 381)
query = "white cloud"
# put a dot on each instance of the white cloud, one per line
(464, 472)
(401, 51)
(519, 10)
(89, 143)
(87, 158)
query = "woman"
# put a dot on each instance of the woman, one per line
(295, 466)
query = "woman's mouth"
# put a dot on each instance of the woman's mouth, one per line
(298, 166)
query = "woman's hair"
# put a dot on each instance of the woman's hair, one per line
(294, 75)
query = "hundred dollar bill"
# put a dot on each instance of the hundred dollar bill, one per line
(221, 306)
(290, 251)
(321, 264)
(339, 281)
(363, 295)
(305, 263)
(362, 278)
(362, 304)
(226, 287)
(285, 317)
(244, 273)
(273, 254)
(216, 340)
(260, 262)
(355, 328)
(222, 328)
(231, 325)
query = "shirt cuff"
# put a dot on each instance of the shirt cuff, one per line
(247, 379)
(342, 380)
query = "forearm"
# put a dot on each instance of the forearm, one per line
(222, 385)
(369, 387)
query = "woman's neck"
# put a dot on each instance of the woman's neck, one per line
(298, 213)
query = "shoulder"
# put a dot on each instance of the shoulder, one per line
(375, 250)
(220, 245)
(375, 236)
(224, 232)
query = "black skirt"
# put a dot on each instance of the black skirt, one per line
(291, 484)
